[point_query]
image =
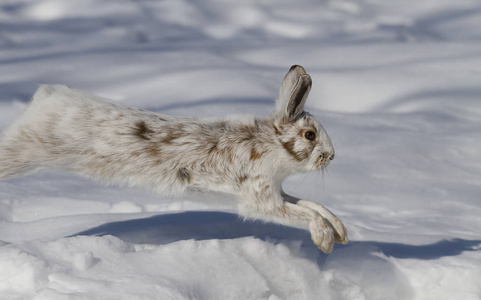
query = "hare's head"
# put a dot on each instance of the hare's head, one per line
(304, 140)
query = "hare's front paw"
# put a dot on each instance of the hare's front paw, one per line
(322, 234)
(340, 231)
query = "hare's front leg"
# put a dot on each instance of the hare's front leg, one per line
(284, 212)
(340, 231)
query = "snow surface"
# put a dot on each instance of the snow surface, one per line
(396, 85)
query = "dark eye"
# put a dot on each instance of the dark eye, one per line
(310, 135)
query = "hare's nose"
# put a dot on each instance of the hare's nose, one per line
(328, 155)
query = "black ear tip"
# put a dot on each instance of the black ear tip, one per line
(305, 79)
(299, 68)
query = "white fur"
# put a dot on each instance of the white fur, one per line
(246, 157)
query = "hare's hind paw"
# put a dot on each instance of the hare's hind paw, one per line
(322, 234)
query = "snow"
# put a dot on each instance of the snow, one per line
(395, 84)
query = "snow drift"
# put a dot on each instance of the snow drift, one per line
(396, 85)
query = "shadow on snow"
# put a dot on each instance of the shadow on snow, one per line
(171, 227)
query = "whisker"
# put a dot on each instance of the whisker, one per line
(323, 181)
(304, 178)
(307, 174)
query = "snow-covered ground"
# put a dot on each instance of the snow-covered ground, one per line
(397, 85)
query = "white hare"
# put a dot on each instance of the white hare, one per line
(248, 158)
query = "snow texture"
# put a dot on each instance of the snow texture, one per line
(396, 84)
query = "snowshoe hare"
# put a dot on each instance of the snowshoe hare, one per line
(248, 158)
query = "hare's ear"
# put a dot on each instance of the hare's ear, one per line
(293, 93)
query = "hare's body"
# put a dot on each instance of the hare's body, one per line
(70, 129)
(246, 157)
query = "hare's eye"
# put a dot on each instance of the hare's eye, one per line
(310, 135)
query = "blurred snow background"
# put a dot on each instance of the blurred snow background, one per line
(397, 85)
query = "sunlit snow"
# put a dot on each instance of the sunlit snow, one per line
(396, 84)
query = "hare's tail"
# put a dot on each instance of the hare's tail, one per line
(19, 147)
(13, 163)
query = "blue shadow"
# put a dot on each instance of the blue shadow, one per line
(201, 225)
